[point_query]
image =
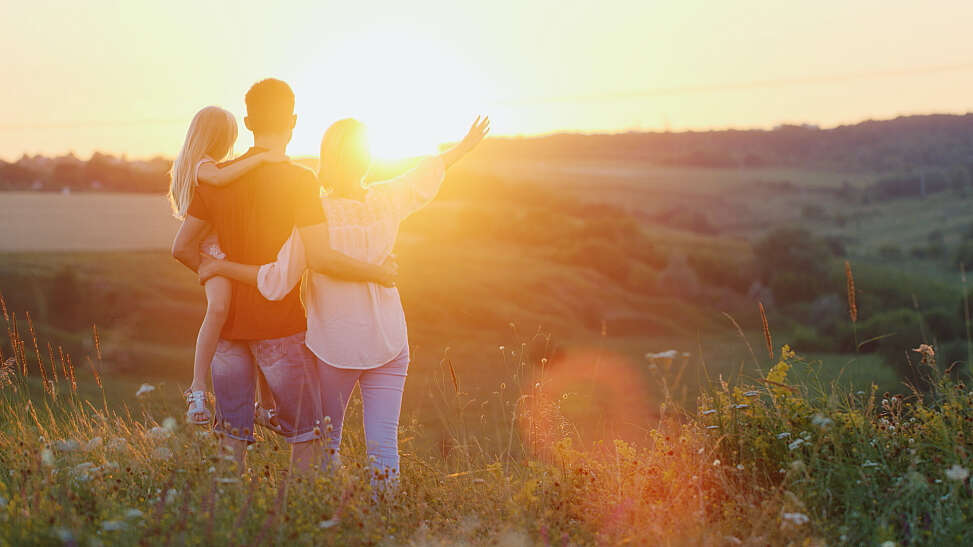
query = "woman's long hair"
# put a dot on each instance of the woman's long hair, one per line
(345, 156)
(211, 134)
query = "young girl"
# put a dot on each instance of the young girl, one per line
(210, 137)
(356, 329)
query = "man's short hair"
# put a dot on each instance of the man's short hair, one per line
(270, 106)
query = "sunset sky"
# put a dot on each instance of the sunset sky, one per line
(126, 77)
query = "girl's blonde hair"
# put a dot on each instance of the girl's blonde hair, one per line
(211, 134)
(344, 147)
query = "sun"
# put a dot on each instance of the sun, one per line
(412, 92)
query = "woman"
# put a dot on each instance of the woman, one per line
(357, 329)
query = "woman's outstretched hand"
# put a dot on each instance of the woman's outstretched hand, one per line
(478, 131)
(473, 137)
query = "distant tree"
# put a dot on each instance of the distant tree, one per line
(794, 264)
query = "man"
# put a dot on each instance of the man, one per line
(253, 217)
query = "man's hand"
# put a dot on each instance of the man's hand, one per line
(209, 268)
(391, 272)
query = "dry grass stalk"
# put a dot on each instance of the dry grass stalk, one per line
(766, 328)
(852, 304)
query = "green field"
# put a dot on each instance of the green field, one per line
(566, 277)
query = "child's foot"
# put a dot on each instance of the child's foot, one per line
(197, 413)
(266, 417)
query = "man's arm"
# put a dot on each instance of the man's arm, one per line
(185, 247)
(323, 259)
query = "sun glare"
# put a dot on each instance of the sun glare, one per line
(412, 92)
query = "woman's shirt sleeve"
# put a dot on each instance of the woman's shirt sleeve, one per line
(277, 279)
(414, 189)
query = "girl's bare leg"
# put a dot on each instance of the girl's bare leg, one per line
(217, 308)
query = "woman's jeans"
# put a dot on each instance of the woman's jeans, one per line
(381, 391)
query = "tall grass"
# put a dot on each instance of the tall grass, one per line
(764, 462)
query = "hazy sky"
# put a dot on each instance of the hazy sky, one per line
(126, 77)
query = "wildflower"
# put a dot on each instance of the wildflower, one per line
(80, 471)
(741, 406)
(740, 467)
(821, 422)
(712, 427)
(117, 443)
(169, 423)
(797, 519)
(783, 435)
(47, 456)
(144, 389)
(751, 394)
(330, 522)
(795, 444)
(113, 525)
(171, 496)
(93, 444)
(65, 536)
(668, 354)
(926, 350)
(67, 445)
(226, 480)
(211, 469)
(716, 463)
(888, 544)
(708, 412)
(158, 433)
(870, 463)
(133, 514)
(957, 473)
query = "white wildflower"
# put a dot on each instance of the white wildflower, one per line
(783, 435)
(226, 480)
(712, 427)
(716, 463)
(751, 394)
(144, 389)
(888, 544)
(169, 423)
(708, 412)
(133, 514)
(93, 444)
(741, 406)
(158, 433)
(328, 523)
(797, 519)
(47, 456)
(740, 467)
(117, 444)
(67, 445)
(113, 525)
(957, 473)
(870, 463)
(821, 421)
(795, 444)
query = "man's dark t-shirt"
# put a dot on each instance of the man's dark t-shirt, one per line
(253, 216)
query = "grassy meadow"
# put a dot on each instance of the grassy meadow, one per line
(605, 351)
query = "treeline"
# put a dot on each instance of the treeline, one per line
(100, 172)
(900, 144)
